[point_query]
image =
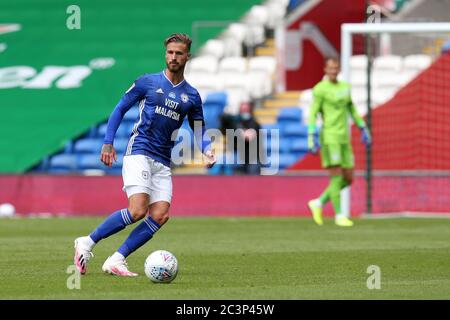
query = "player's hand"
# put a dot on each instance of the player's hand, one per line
(108, 155)
(210, 158)
(313, 146)
(365, 136)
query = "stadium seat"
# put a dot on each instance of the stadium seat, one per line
(299, 145)
(132, 114)
(211, 115)
(258, 15)
(237, 31)
(388, 62)
(233, 64)
(233, 47)
(359, 95)
(295, 130)
(382, 95)
(390, 79)
(262, 63)
(358, 77)
(204, 63)
(213, 47)
(358, 62)
(43, 165)
(88, 146)
(62, 163)
(68, 147)
(123, 131)
(276, 10)
(293, 114)
(255, 35)
(205, 83)
(89, 161)
(234, 80)
(285, 145)
(236, 96)
(120, 145)
(259, 84)
(219, 97)
(416, 62)
(286, 160)
(269, 127)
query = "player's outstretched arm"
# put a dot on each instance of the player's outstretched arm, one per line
(108, 155)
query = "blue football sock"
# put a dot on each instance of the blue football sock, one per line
(139, 236)
(114, 223)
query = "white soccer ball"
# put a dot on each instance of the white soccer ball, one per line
(161, 266)
(7, 210)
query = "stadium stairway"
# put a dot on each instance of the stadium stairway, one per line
(283, 112)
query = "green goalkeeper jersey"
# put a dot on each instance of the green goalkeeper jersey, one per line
(333, 101)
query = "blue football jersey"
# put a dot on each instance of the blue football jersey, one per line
(162, 108)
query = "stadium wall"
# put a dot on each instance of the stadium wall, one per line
(213, 196)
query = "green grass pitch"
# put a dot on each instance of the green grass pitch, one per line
(242, 258)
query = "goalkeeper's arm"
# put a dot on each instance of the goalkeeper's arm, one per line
(313, 146)
(365, 133)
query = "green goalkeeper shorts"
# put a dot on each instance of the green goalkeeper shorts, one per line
(337, 155)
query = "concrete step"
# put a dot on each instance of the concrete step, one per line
(288, 95)
(266, 112)
(266, 120)
(265, 51)
(280, 103)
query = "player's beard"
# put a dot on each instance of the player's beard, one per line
(174, 67)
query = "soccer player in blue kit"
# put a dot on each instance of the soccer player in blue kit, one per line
(164, 99)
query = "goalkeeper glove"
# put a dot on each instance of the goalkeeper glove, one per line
(365, 136)
(313, 145)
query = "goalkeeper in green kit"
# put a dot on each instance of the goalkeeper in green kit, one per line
(333, 101)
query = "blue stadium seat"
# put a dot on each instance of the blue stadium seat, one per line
(285, 145)
(219, 98)
(120, 145)
(62, 163)
(213, 107)
(132, 114)
(88, 146)
(270, 127)
(185, 126)
(43, 165)
(113, 170)
(290, 115)
(295, 130)
(299, 145)
(287, 159)
(68, 147)
(211, 115)
(92, 161)
(89, 161)
(123, 131)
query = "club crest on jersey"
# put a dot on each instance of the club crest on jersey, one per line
(172, 95)
(184, 97)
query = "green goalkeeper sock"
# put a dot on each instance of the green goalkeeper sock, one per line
(334, 189)
(325, 196)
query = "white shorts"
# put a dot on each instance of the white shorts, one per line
(142, 174)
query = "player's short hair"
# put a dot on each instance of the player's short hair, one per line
(179, 37)
(331, 58)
